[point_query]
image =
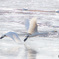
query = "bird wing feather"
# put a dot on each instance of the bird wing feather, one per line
(33, 25)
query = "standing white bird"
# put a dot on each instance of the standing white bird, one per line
(12, 35)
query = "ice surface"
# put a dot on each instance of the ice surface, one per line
(40, 47)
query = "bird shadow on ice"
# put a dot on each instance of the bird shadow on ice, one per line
(31, 54)
(17, 52)
(11, 51)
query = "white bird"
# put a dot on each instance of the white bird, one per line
(12, 35)
(15, 37)
(32, 28)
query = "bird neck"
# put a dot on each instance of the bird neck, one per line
(34, 34)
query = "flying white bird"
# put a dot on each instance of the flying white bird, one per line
(31, 26)
(12, 35)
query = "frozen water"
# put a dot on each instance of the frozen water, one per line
(40, 47)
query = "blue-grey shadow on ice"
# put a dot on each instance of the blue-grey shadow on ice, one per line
(31, 54)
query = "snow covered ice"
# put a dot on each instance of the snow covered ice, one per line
(39, 47)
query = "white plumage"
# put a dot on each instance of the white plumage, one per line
(32, 26)
(12, 35)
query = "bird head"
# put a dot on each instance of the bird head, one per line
(12, 35)
(9, 34)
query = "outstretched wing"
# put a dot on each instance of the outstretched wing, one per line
(33, 25)
(27, 24)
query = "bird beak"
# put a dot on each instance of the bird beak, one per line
(26, 38)
(2, 36)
